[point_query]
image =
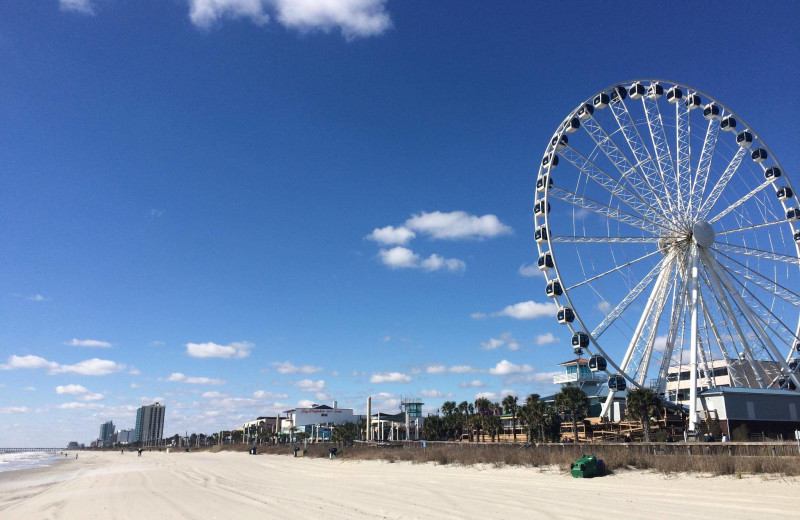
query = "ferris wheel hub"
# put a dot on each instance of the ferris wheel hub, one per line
(703, 234)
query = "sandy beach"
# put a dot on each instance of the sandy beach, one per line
(236, 485)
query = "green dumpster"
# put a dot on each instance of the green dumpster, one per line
(587, 466)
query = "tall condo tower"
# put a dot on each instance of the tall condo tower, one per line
(149, 424)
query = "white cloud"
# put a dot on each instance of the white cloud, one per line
(177, 377)
(213, 395)
(430, 393)
(288, 368)
(538, 377)
(72, 389)
(531, 270)
(13, 409)
(33, 362)
(529, 310)
(457, 225)
(30, 388)
(87, 343)
(135, 385)
(307, 385)
(399, 258)
(261, 394)
(478, 315)
(436, 262)
(603, 306)
(505, 339)
(461, 369)
(475, 383)
(80, 6)
(390, 377)
(492, 396)
(546, 339)
(134, 371)
(436, 369)
(91, 367)
(92, 397)
(505, 368)
(237, 350)
(391, 235)
(75, 405)
(354, 18)
(37, 298)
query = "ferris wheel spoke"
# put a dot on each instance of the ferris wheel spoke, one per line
(617, 189)
(621, 306)
(683, 134)
(747, 312)
(603, 240)
(757, 253)
(754, 226)
(652, 175)
(675, 325)
(601, 209)
(704, 165)
(722, 183)
(610, 271)
(652, 331)
(734, 373)
(628, 171)
(769, 285)
(665, 170)
(741, 201)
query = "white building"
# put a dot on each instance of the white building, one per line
(317, 415)
(716, 374)
(125, 436)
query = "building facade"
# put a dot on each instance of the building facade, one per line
(125, 436)
(717, 373)
(149, 424)
(106, 433)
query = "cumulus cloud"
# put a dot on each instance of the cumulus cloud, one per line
(505, 368)
(461, 369)
(546, 339)
(538, 377)
(236, 350)
(177, 377)
(92, 397)
(529, 310)
(475, 383)
(32, 362)
(403, 258)
(505, 339)
(87, 343)
(288, 368)
(495, 396)
(13, 409)
(603, 306)
(72, 389)
(436, 369)
(307, 385)
(391, 235)
(261, 394)
(76, 405)
(531, 270)
(37, 298)
(90, 367)
(457, 225)
(213, 395)
(430, 393)
(436, 262)
(390, 377)
(354, 18)
(79, 6)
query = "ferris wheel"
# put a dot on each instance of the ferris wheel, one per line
(669, 236)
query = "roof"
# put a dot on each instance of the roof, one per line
(579, 361)
(751, 391)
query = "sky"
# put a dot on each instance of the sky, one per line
(238, 207)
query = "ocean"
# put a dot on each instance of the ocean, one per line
(27, 460)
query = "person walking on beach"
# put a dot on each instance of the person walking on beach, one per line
(296, 449)
(76, 455)
(140, 452)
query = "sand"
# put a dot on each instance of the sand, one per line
(237, 485)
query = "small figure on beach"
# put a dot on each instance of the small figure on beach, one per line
(122, 452)
(725, 438)
(140, 452)
(76, 455)
(333, 452)
(296, 449)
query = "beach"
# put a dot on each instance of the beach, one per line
(234, 485)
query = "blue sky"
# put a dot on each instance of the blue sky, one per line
(196, 196)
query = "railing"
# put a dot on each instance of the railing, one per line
(574, 378)
(15, 450)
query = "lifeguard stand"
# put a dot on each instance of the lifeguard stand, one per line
(412, 406)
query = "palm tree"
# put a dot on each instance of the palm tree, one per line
(449, 407)
(483, 406)
(510, 406)
(463, 408)
(537, 411)
(493, 425)
(642, 405)
(575, 402)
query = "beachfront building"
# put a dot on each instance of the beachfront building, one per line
(315, 418)
(125, 436)
(149, 424)
(256, 431)
(577, 372)
(717, 373)
(745, 414)
(106, 433)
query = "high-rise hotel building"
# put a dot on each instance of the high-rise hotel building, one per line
(149, 424)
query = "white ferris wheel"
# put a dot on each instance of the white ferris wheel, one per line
(669, 235)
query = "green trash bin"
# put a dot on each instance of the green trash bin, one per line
(587, 466)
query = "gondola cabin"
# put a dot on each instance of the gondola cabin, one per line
(773, 172)
(655, 91)
(674, 94)
(540, 235)
(550, 160)
(600, 101)
(728, 124)
(559, 142)
(793, 214)
(541, 208)
(580, 340)
(597, 363)
(585, 112)
(711, 111)
(693, 101)
(545, 261)
(572, 125)
(616, 383)
(553, 289)
(784, 193)
(787, 383)
(793, 364)
(759, 155)
(744, 138)
(797, 236)
(797, 347)
(619, 94)
(543, 183)
(636, 90)
(565, 315)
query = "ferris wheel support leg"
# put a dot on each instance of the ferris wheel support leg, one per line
(755, 324)
(693, 344)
